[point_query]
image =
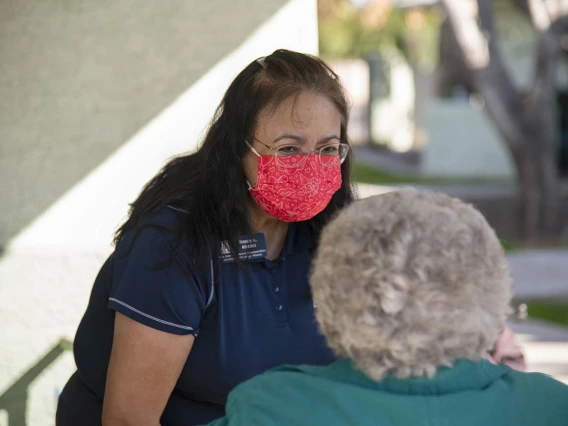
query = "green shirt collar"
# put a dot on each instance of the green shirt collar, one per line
(464, 375)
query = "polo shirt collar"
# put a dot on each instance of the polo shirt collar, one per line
(298, 239)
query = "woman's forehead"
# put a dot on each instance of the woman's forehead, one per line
(305, 113)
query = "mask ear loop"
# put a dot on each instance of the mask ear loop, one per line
(257, 154)
(252, 148)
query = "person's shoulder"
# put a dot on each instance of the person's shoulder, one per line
(168, 216)
(266, 390)
(277, 378)
(538, 387)
(159, 228)
(537, 380)
(285, 394)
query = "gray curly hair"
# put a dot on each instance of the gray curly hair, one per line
(409, 281)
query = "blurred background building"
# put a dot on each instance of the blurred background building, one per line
(469, 97)
(420, 115)
(392, 59)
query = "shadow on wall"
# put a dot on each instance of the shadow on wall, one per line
(79, 79)
(14, 400)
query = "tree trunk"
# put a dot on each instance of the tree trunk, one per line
(451, 70)
(538, 190)
(541, 197)
(526, 121)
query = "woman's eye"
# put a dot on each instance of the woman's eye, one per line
(330, 150)
(288, 150)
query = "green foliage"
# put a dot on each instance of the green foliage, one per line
(422, 46)
(549, 311)
(367, 174)
(509, 246)
(343, 34)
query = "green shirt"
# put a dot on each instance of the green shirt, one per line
(468, 394)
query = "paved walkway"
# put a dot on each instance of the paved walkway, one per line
(540, 274)
(545, 346)
(460, 191)
(373, 157)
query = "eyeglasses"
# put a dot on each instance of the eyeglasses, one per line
(291, 156)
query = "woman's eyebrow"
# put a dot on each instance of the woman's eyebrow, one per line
(328, 138)
(302, 140)
(298, 138)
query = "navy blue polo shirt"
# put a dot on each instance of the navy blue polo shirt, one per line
(254, 319)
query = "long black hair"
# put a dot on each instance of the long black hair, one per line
(210, 184)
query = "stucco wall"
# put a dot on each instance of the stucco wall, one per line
(462, 141)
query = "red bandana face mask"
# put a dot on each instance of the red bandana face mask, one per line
(295, 194)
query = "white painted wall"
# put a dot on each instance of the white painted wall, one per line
(462, 141)
(392, 116)
(354, 75)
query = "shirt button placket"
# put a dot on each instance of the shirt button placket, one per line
(279, 302)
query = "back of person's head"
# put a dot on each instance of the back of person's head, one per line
(210, 184)
(409, 281)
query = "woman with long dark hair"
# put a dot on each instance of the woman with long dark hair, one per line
(208, 283)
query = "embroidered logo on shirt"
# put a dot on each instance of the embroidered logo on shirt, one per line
(225, 248)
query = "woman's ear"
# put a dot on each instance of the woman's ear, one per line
(507, 351)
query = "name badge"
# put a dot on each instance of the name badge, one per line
(250, 248)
